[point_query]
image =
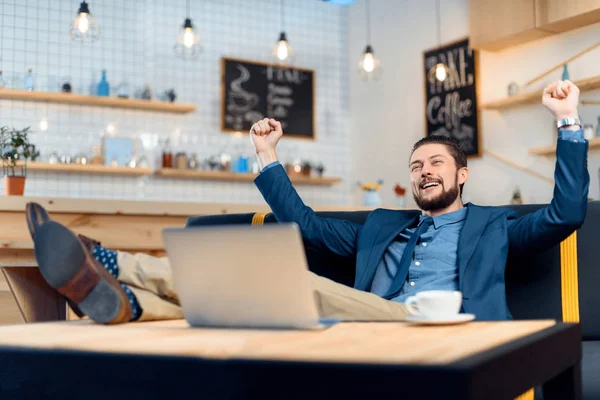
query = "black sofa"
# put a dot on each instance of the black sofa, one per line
(536, 288)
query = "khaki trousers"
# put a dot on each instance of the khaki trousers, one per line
(151, 281)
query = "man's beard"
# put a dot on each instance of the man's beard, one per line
(443, 200)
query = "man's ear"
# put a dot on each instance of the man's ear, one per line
(463, 175)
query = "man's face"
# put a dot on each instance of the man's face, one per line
(435, 178)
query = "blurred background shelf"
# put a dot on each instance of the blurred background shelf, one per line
(82, 100)
(88, 169)
(231, 177)
(536, 97)
(551, 150)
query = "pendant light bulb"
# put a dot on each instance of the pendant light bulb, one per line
(188, 42)
(440, 72)
(369, 67)
(368, 62)
(187, 45)
(188, 37)
(84, 26)
(283, 51)
(84, 23)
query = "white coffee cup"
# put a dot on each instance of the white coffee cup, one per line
(435, 304)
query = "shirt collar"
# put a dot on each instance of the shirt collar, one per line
(449, 218)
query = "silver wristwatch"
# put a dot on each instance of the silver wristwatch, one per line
(568, 122)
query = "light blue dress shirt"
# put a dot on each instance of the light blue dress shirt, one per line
(433, 265)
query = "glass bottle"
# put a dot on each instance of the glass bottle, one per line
(193, 162)
(167, 155)
(29, 83)
(2, 82)
(103, 86)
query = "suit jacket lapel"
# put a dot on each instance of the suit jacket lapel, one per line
(384, 236)
(477, 218)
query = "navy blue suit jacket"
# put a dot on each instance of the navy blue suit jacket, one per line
(489, 233)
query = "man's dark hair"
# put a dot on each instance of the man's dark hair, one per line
(460, 159)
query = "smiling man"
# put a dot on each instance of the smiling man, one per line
(450, 246)
(446, 246)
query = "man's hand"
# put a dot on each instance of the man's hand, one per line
(265, 135)
(561, 99)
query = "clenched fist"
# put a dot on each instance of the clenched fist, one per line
(265, 135)
(562, 99)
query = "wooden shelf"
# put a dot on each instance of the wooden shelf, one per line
(536, 97)
(551, 150)
(88, 169)
(231, 177)
(81, 100)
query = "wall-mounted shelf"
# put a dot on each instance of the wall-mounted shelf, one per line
(551, 150)
(231, 177)
(81, 100)
(536, 97)
(171, 173)
(88, 169)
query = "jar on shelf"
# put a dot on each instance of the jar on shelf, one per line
(181, 161)
(97, 158)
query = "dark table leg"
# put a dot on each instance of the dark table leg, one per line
(565, 386)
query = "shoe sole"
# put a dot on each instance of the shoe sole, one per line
(36, 216)
(73, 272)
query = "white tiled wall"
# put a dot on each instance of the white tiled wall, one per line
(137, 46)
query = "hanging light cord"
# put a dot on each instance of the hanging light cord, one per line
(187, 7)
(439, 29)
(368, 12)
(282, 16)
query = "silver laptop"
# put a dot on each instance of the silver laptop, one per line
(242, 276)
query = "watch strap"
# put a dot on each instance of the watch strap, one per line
(568, 122)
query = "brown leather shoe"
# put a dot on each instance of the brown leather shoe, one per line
(67, 264)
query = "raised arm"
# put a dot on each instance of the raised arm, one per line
(338, 236)
(566, 212)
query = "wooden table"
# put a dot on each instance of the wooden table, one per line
(168, 359)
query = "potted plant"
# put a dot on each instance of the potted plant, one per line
(15, 150)
(400, 192)
(306, 168)
(371, 189)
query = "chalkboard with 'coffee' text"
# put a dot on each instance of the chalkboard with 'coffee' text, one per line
(451, 104)
(251, 91)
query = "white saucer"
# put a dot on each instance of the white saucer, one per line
(455, 319)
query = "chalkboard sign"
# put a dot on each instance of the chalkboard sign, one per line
(252, 91)
(451, 105)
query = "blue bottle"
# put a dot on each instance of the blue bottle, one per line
(242, 165)
(29, 84)
(103, 86)
(565, 74)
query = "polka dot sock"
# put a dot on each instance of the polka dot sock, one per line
(108, 258)
(135, 306)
